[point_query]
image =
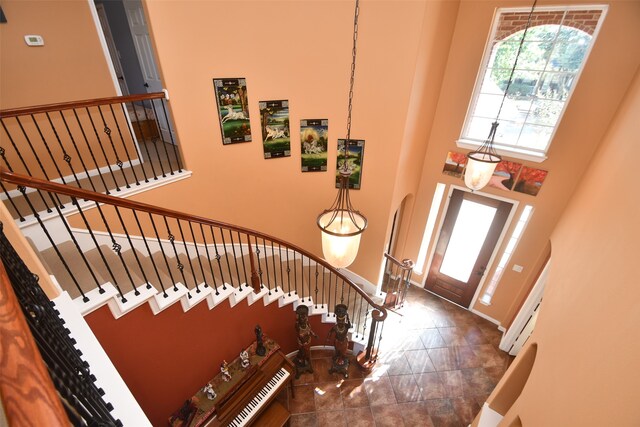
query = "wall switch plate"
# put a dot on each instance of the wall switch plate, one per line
(34, 40)
(517, 268)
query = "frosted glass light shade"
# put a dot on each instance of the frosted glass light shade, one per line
(480, 169)
(341, 238)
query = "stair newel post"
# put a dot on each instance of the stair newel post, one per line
(367, 358)
(255, 278)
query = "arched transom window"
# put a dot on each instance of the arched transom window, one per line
(554, 52)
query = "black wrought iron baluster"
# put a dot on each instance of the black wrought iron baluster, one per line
(324, 294)
(360, 314)
(153, 262)
(289, 273)
(173, 143)
(172, 240)
(295, 276)
(329, 293)
(93, 157)
(281, 262)
(235, 259)
(184, 244)
(117, 248)
(273, 259)
(257, 251)
(302, 277)
(107, 130)
(66, 157)
(24, 164)
(164, 144)
(35, 154)
(342, 296)
(36, 215)
(104, 153)
(367, 312)
(135, 141)
(349, 295)
(266, 263)
(316, 295)
(95, 242)
(124, 145)
(195, 245)
(154, 140)
(218, 256)
(206, 247)
(164, 255)
(133, 249)
(335, 296)
(75, 146)
(244, 267)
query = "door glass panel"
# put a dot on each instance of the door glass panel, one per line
(467, 238)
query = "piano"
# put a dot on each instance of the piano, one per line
(248, 399)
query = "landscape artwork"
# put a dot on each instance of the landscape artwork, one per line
(274, 120)
(454, 164)
(505, 175)
(233, 110)
(314, 144)
(355, 153)
(530, 180)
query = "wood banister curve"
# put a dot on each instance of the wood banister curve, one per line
(78, 193)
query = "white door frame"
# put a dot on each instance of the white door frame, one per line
(105, 48)
(113, 52)
(503, 233)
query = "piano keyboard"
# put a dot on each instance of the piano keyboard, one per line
(248, 413)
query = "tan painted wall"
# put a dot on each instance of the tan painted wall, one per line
(70, 66)
(603, 83)
(300, 51)
(586, 370)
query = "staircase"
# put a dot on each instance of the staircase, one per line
(123, 254)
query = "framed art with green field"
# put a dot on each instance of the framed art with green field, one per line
(313, 144)
(233, 110)
(274, 121)
(354, 157)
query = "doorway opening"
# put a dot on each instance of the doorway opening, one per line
(471, 229)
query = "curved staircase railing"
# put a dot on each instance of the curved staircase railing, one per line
(124, 253)
(103, 144)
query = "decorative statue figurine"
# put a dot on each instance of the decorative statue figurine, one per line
(224, 369)
(340, 363)
(244, 359)
(260, 349)
(303, 358)
(208, 390)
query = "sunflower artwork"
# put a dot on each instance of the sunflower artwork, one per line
(313, 144)
(274, 120)
(354, 156)
(233, 110)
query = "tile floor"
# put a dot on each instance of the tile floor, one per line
(438, 365)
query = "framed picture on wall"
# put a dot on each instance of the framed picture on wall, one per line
(274, 121)
(233, 110)
(505, 174)
(314, 144)
(530, 180)
(454, 164)
(354, 157)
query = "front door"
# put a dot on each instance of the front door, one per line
(470, 231)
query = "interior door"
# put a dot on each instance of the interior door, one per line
(111, 47)
(146, 57)
(470, 231)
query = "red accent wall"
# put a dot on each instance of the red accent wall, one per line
(165, 359)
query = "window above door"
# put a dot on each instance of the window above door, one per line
(553, 55)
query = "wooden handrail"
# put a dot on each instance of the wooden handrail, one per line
(28, 395)
(79, 193)
(405, 264)
(78, 104)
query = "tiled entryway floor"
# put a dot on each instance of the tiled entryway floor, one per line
(438, 365)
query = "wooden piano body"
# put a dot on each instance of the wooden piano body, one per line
(248, 399)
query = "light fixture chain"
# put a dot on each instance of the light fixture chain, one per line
(353, 74)
(515, 63)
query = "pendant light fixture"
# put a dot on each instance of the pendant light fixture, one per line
(342, 224)
(482, 162)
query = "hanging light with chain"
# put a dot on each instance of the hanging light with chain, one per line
(483, 161)
(341, 224)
